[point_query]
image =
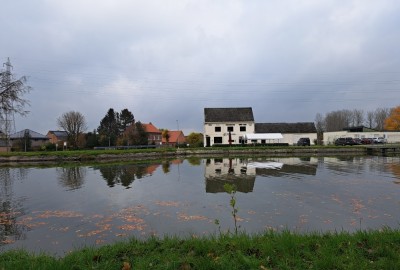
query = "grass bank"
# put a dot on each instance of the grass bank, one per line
(271, 250)
(131, 154)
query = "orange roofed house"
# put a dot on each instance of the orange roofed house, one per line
(175, 137)
(154, 134)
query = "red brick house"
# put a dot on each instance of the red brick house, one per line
(175, 137)
(154, 134)
(57, 136)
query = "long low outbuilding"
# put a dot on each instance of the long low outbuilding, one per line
(263, 137)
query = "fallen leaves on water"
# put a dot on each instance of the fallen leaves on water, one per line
(59, 214)
(336, 199)
(167, 203)
(185, 217)
(7, 241)
(130, 227)
(357, 205)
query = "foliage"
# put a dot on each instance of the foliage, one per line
(134, 135)
(74, 123)
(109, 128)
(92, 139)
(393, 121)
(195, 139)
(165, 135)
(113, 126)
(126, 119)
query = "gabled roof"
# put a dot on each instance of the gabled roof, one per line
(173, 136)
(150, 128)
(302, 127)
(244, 114)
(32, 134)
(59, 133)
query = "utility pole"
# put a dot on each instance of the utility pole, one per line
(9, 123)
(177, 140)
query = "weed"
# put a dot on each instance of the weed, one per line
(231, 190)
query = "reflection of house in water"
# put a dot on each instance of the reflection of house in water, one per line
(243, 172)
(288, 169)
(232, 171)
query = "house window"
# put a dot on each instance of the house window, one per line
(217, 129)
(230, 129)
(242, 128)
(217, 139)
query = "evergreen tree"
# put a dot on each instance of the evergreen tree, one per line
(109, 128)
(126, 119)
(142, 136)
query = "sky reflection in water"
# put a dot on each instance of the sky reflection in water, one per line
(59, 209)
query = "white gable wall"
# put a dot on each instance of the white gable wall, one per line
(211, 131)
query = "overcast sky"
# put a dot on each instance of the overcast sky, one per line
(167, 60)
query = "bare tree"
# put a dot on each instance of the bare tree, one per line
(11, 92)
(358, 117)
(320, 126)
(74, 124)
(380, 115)
(370, 118)
(337, 120)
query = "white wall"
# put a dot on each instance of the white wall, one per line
(292, 138)
(391, 137)
(209, 130)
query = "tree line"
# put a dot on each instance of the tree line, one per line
(115, 128)
(379, 119)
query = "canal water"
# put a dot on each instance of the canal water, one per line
(59, 209)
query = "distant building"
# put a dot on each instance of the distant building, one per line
(227, 125)
(291, 132)
(361, 133)
(176, 137)
(237, 126)
(57, 136)
(154, 134)
(36, 139)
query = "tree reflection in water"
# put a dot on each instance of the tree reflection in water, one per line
(11, 208)
(125, 174)
(72, 177)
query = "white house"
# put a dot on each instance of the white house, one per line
(227, 125)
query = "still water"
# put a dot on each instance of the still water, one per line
(58, 209)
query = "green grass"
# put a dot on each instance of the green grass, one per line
(271, 250)
(74, 153)
(70, 153)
